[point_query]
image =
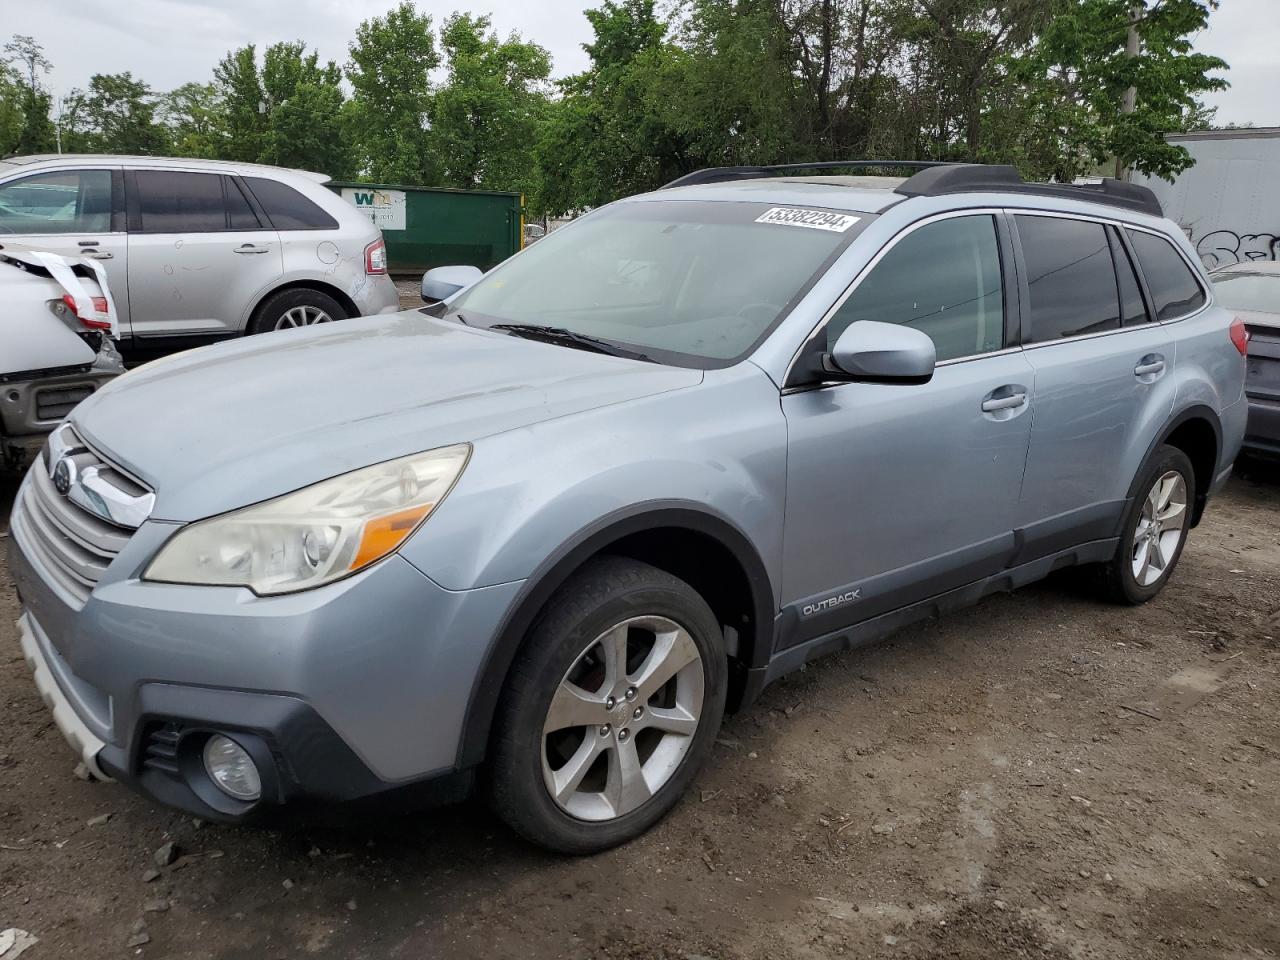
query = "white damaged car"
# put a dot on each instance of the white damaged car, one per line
(57, 344)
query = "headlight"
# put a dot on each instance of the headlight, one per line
(315, 535)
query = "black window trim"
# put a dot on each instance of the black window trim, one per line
(118, 224)
(230, 183)
(135, 208)
(1010, 275)
(1122, 226)
(1121, 248)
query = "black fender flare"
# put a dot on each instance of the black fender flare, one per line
(1199, 411)
(567, 558)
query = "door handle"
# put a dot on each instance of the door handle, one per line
(99, 255)
(250, 248)
(1004, 403)
(1149, 366)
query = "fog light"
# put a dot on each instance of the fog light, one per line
(231, 768)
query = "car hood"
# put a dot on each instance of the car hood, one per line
(233, 424)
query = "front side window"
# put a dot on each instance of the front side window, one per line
(1175, 292)
(170, 201)
(65, 201)
(943, 279)
(1070, 277)
(689, 282)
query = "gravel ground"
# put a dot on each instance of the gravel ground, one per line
(1040, 776)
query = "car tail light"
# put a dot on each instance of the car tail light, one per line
(375, 257)
(94, 322)
(1240, 336)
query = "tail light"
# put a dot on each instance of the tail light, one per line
(375, 257)
(1240, 336)
(97, 322)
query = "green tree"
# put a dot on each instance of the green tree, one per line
(485, 116)
(193, 113)
(37, 134)
(304, 118)
(391, 61)
(116, 114)
(11, 117)
(242, 124)
(1080, 59)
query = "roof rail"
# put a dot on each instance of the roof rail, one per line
(1001, 178)
(722, 174)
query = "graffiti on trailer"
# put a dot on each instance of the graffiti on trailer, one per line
(1221, 248)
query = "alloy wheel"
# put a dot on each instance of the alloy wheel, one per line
(623, 718)
(302, 316)
(1160, 529)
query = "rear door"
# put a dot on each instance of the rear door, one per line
(1102, 378)
(899, 492)
(199, 255)
(74, 213)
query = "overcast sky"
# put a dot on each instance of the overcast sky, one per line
(168, 42)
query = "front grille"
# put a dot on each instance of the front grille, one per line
(72, 544)
(54, 403)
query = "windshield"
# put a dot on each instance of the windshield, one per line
(1256, 292)
(696, 283)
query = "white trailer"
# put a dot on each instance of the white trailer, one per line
(1229, 202)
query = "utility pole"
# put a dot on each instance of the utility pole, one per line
(1128, 103)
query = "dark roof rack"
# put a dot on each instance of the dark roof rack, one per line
(939, 178)
(1001, 178)
(721, 174)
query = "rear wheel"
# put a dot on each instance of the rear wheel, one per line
(1155, 529)
(610, 709)
(299, 307)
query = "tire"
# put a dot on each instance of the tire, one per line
(570, 644)
(299, 307)
(1133, 575)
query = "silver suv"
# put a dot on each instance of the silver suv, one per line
(553, 527)
(197, 250)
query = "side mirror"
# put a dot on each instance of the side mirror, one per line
(877, 352)
(441, 283)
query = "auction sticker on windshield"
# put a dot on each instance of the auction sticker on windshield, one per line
(813, 219)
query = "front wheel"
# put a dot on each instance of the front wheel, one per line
(610, 709)
(1155, 529)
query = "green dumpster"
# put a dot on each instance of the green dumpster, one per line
(429, 227)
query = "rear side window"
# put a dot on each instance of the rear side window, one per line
(942, 279)
(1132, 310)
(240, 215)
(170, 201)
(1175, 291)
(287, 208)
(1070, 277)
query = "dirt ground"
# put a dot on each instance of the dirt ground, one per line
(1041, 776)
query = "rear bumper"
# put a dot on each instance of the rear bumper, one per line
(29, 409)
(379, 296)
(1262, 435)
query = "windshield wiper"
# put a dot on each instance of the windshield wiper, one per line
(562, 335)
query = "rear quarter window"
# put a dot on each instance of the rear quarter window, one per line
(286, 208)
(1174, 289)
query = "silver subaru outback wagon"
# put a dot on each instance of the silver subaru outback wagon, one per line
(539, 537)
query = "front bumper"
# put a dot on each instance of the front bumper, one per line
(355, 690)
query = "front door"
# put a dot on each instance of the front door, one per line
(198, 254)
(73, 213)
(896, 493)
